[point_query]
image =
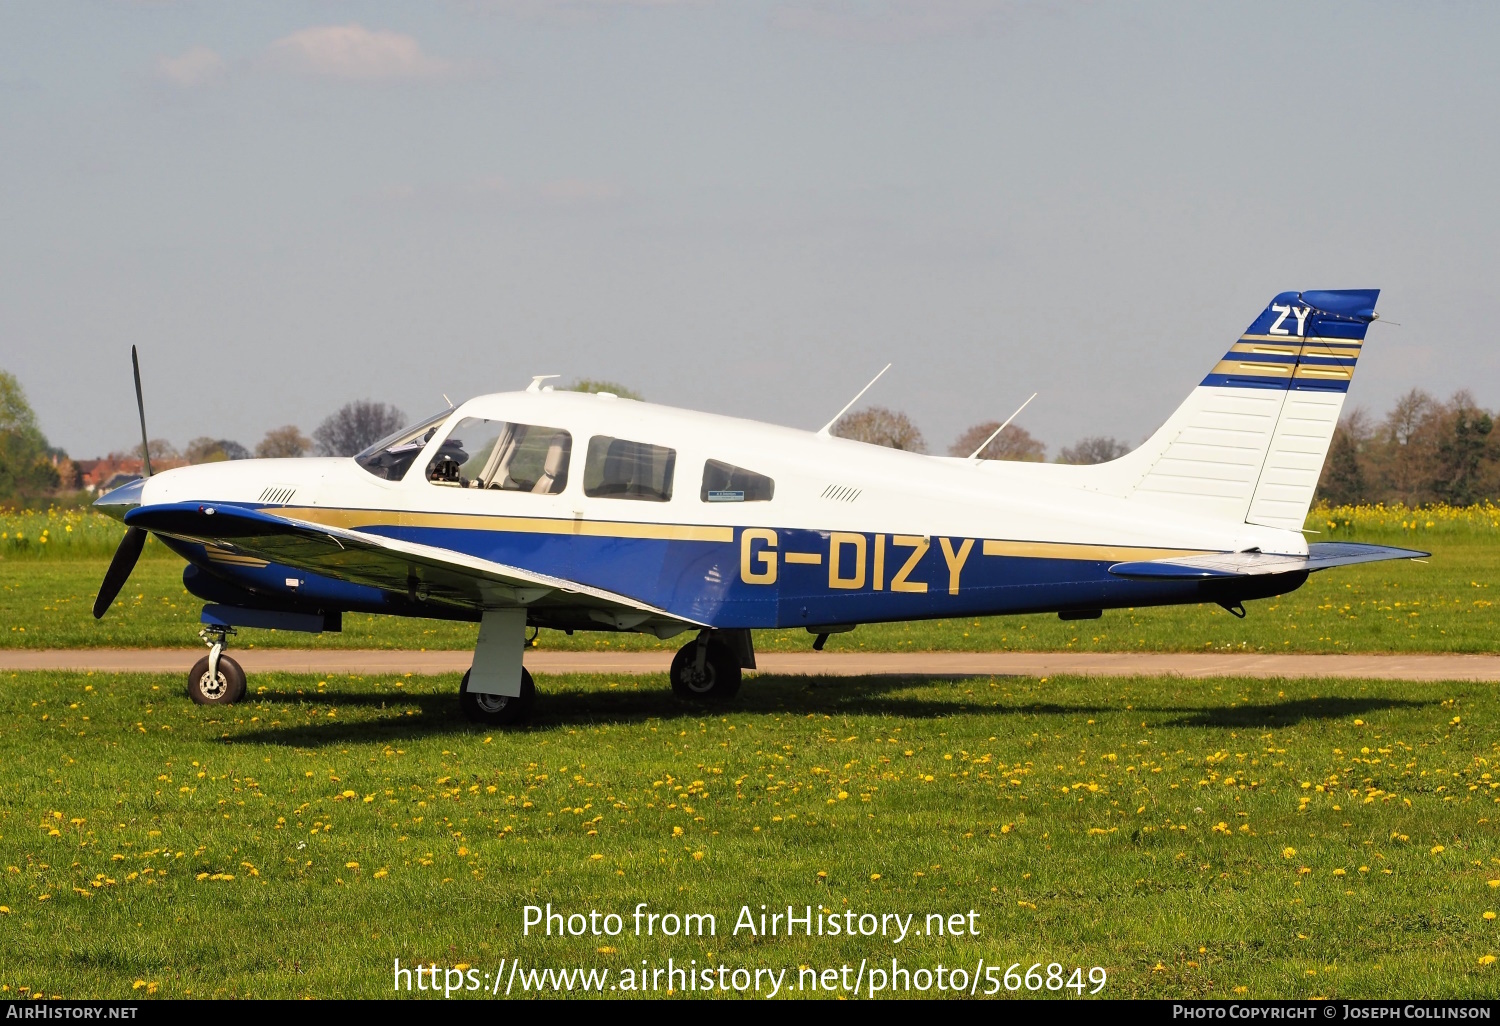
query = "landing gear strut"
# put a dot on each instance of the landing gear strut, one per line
(706, 669)
(498, 690)
(216, 679)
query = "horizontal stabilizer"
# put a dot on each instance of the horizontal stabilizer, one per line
(1320, 556)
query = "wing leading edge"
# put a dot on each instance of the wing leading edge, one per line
(436, 574)
(1320, 556)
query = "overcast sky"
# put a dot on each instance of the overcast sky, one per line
(742, 207)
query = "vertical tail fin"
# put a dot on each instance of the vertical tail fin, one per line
(1248, 444)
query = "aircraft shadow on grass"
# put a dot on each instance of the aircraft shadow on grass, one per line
(874, 695)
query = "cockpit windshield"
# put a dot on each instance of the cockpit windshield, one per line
(392, 456)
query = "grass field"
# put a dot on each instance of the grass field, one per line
(1194, 838)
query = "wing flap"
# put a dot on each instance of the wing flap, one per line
(437, 574)
(1320, 556)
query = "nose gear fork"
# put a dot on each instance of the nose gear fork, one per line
(216, 637)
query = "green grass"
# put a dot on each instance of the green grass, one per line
(1445, 605)
(1294, 839)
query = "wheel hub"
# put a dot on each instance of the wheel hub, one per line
(490, 703)
(213, 686)
(697, 681)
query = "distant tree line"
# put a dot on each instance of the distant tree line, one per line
(28, 465)
(1422, 451)
(878, 425)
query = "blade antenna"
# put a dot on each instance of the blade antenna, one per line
(826, 427)
(974, 456)
(140, 404)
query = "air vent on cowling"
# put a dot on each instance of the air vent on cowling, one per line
(279, 494)
(841, 493)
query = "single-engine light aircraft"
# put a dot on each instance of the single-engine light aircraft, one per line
(576, 511)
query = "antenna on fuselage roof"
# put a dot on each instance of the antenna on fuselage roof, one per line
(446, 399)
(826, 427)
(974, 456)
(537, 379)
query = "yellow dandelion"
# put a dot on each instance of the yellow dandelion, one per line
(1437, 849)
(595, 857)
(1486, 959)
(874, 876)
(1489, 915)
(1338, 872)
(697, 856)
(1289, 853)
(355, 865)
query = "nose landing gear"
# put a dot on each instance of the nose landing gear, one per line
(216, 679)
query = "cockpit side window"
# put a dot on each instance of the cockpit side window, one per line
(620, 469)
(504, 456)
(392, 456)
(724, 482)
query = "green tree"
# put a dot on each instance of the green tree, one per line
(600, 385)
(1092, 450)
(1403, 452)
(1462, 445)
(1344, 481)
(26, 469)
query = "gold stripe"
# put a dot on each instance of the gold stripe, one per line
(1066, 550)
(1278, 348)
(1334, 373)
(1259, 370)
(1299, 339)
(239, 561)
(1323, 349)
(356, 519)
(810, 558)
(220, 555)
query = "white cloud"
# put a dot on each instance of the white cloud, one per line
(198, 66)
(356, 53)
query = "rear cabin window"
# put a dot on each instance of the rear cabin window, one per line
(617, 468)
(724, 482)
(504, 456)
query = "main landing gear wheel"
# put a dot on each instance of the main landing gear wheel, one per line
(497, 710)
(717, 681)
(226, 687)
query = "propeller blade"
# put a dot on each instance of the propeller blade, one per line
(119, 569)
(140, 404)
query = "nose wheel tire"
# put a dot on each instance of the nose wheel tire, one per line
(497, 710)
(718, 681)
(226, 688)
